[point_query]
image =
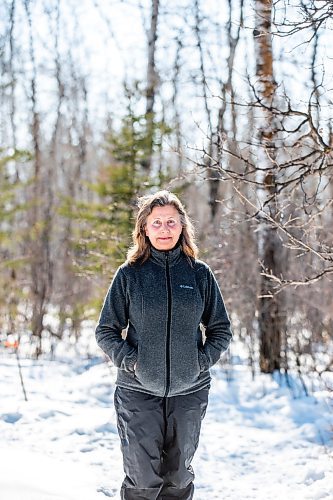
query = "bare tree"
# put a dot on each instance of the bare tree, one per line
(152, 83)
(175, 103)
(12, 73)
(39, 238)
(269, 306)
(217, 133)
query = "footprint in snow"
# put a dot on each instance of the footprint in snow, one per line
(11, 418)
(107, 491)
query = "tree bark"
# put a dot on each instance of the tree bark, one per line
(12, 74)
(269, 246)
(152, 82)
(39, 240)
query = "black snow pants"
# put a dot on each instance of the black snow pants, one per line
(159, 436)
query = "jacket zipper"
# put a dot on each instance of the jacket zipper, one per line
(168, 346)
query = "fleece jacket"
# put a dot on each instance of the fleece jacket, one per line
(151, 319)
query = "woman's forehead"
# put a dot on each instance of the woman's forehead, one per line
(166, 211)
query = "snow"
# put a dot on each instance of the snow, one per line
(260, 439)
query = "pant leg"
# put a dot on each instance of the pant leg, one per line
(140, 423)
(183, 415)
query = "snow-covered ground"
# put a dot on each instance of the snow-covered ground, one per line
(259, 440)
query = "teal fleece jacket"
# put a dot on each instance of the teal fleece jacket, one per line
(161, 304)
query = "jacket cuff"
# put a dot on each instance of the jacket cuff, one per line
(203, 361)
(129, 362)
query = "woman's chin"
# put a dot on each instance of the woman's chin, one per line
(166, 244)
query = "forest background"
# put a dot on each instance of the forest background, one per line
(226, 102)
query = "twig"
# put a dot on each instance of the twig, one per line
(20, 372)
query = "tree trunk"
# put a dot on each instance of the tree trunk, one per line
(269, 245)
(152, 81)
(226, 111)
(12, 75)
(39, 240)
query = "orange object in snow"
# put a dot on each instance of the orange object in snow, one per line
(14, 343)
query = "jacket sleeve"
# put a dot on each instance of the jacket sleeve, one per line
(217, 325)
(113, 319)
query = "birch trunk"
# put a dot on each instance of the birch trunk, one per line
(270, 313)
(152, 81)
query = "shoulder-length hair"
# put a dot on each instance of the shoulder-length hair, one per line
(140, 251)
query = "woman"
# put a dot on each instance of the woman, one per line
(162, 295)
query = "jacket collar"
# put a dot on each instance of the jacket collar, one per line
(161, 256)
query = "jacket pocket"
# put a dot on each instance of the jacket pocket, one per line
(150, 368)
(203, 360)
(129, 362)
(138, 366)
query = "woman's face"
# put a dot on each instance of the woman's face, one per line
(163, 227)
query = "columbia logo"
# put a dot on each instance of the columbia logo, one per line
(186, 286)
